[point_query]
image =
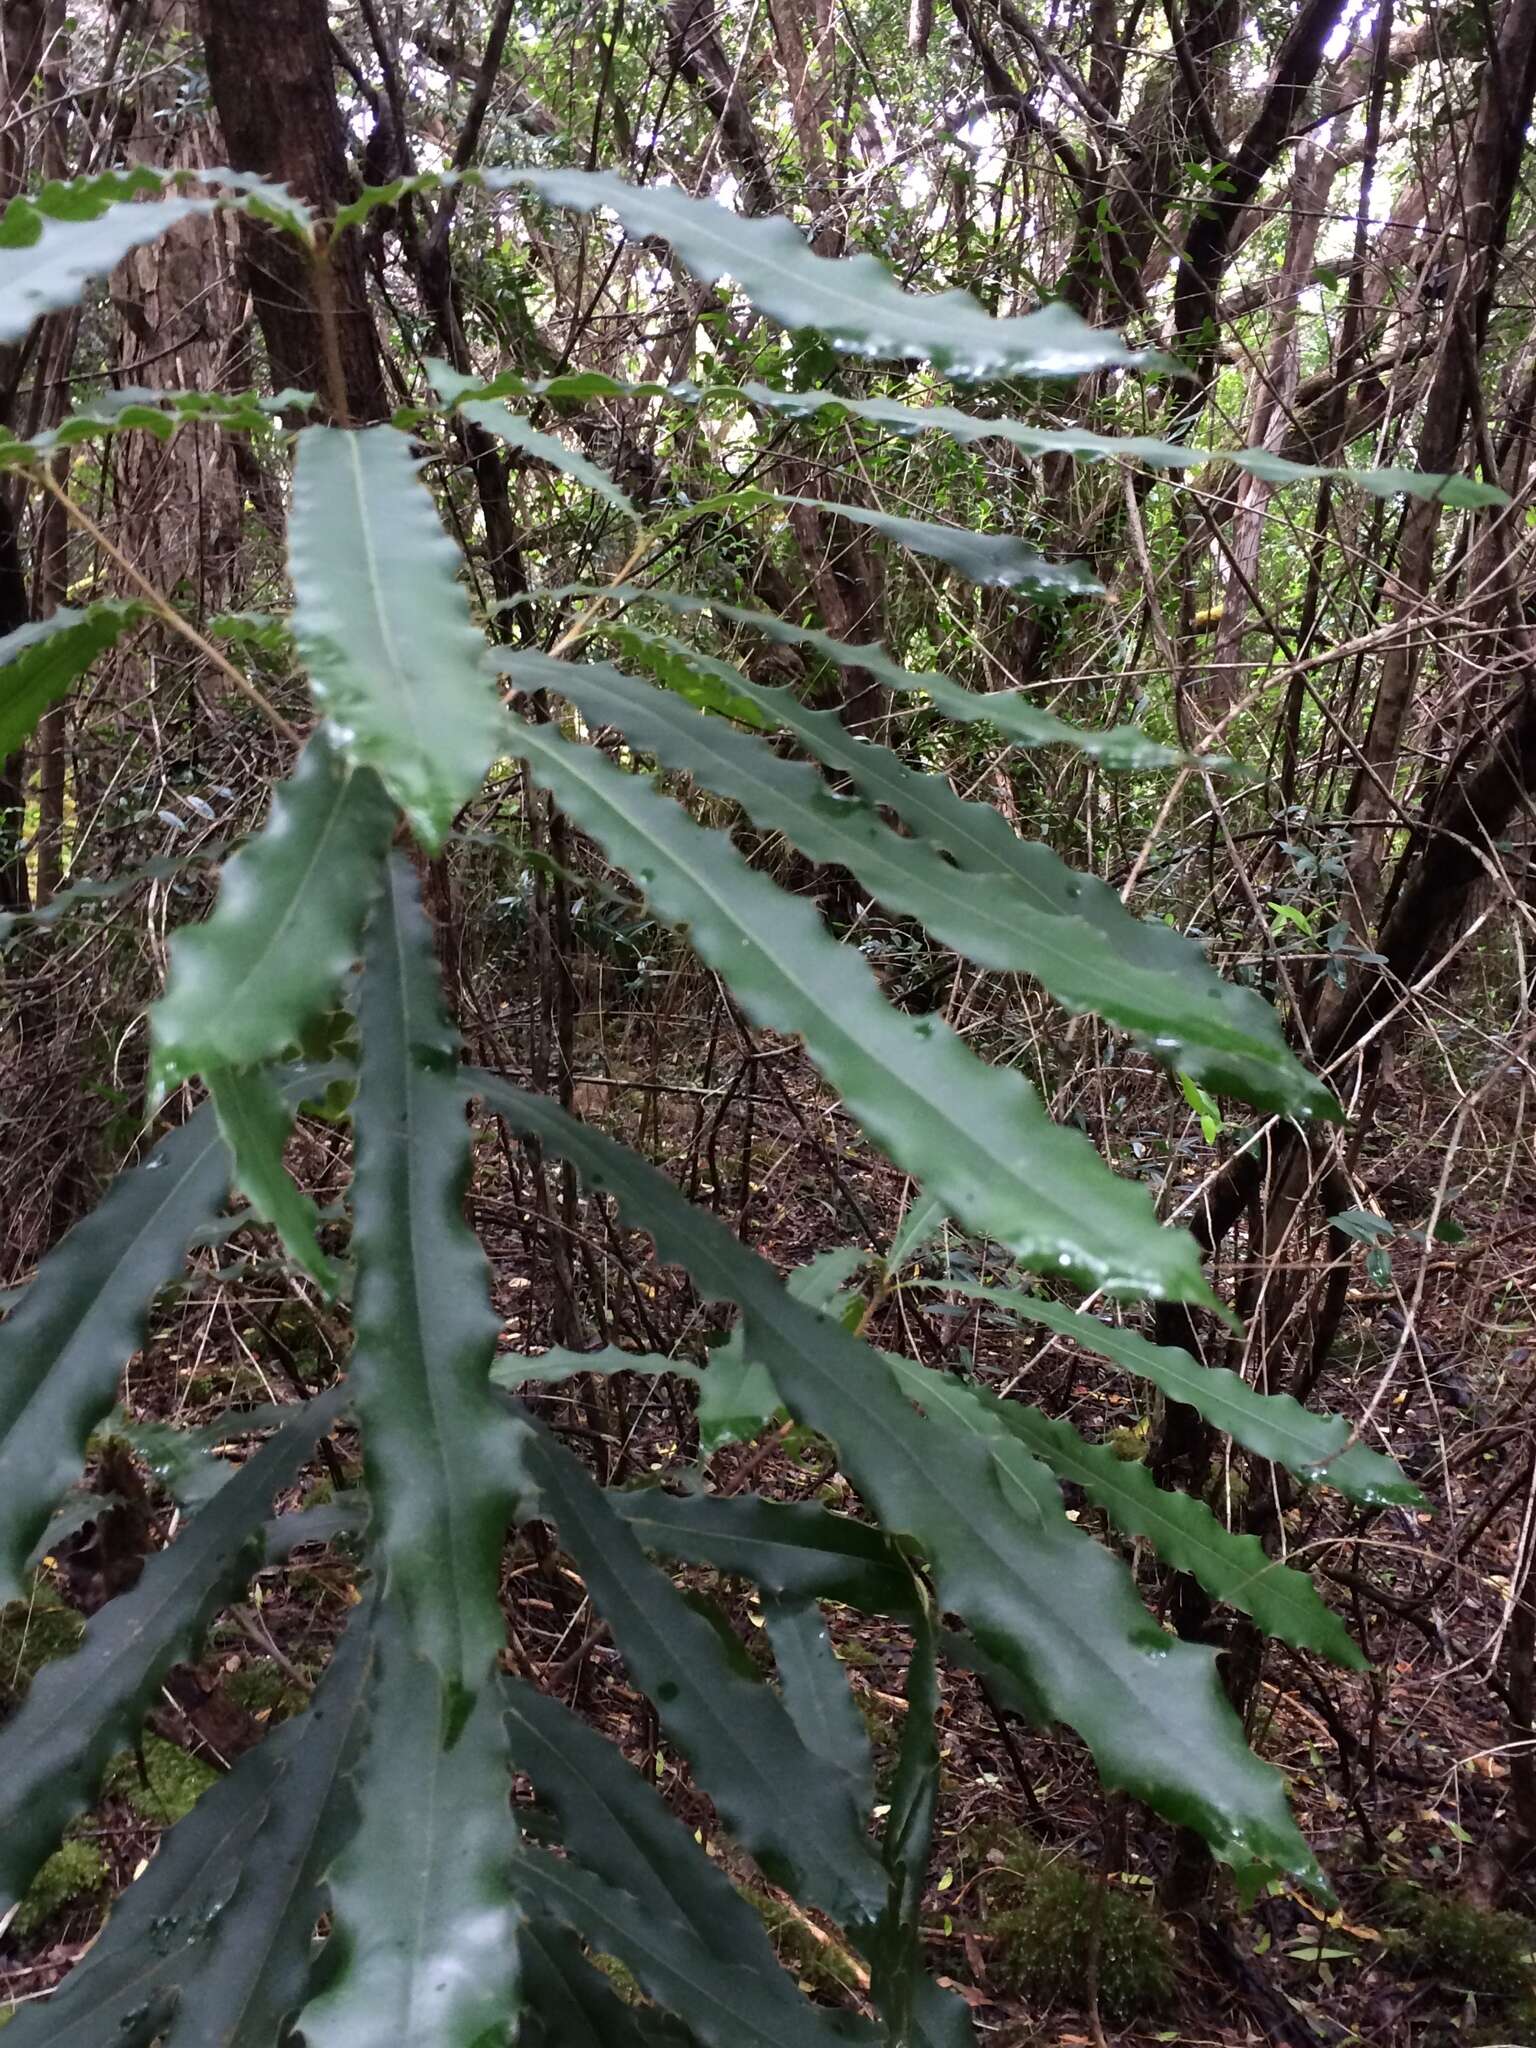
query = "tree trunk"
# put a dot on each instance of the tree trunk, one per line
(270, 67)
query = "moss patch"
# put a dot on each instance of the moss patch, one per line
(168, 1787)
(1469, 1947)
(1041, 1914)
(818, 1966)
(76, 1870)
(32, 1634)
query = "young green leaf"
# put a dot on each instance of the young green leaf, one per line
(383, 627)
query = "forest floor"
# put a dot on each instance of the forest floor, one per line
(1400, 1776)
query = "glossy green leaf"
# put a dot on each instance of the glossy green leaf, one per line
(1010, 711)
(439, 1457)
(1181, 1529)
(609, 1818)
(977, 1136)
(38, 662)
(742, 1743)
(853, 300)
(1000, 559)
(383, 626)
(913, 1799)
(1274, 1426)
(81, 1710)
(63, 1347)
(256, 1122)
(1035, 916)
(424, 1931)
(255, 1973)
(967, 428)
(245, 985)
(1053, 1607)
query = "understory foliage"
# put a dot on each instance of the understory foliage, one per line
(312, 990)
(740, 875)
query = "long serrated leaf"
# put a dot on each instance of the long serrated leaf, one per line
(908, 1842)
(1036, 916)
(514, 1369)
(244, 986)
(1182, 1530)
(1050, 1604)
(383, 627)
(38, 662)
(64, 1346)
(999, 559)
(423, 1923)
(81, 1710)
(1275, 1426)
(741, 1741)
(977, 1136)
(1185, 1534)
(439, 1457)
(580, 386)
(1024, 722)
(853, 300)
(256, 1122)
(509, 426)
(967, 428)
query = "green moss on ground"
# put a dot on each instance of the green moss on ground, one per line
(167, 1788)
(75, 1871)
(1043, 1915)
(33, 1633)
(1470, 1947)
